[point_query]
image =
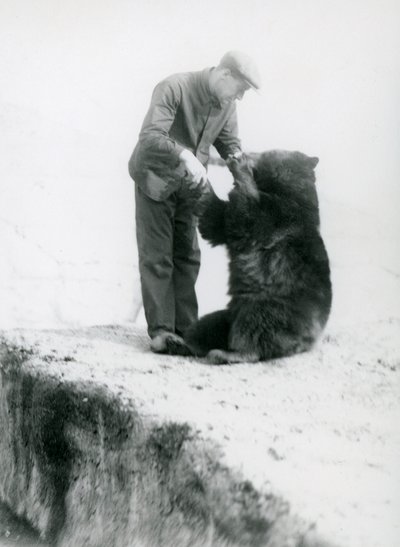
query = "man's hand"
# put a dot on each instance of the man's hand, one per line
(196, 171)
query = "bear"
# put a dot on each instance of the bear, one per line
(279, 274)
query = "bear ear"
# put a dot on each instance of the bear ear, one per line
(313, 161)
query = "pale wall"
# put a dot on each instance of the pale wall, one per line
(76, 81)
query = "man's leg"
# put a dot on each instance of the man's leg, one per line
(154, 234)
(186, 256)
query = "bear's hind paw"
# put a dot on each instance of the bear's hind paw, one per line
(221, 357)
(175, 345)
(218, 357)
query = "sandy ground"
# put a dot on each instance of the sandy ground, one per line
(320, 428)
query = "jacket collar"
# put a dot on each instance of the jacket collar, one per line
(205, 95)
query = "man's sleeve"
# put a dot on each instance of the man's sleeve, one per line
(228, 142)
(154, 136)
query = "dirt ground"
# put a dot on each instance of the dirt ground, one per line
(321, 429)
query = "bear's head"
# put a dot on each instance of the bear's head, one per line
(287, 174)
(277, 168)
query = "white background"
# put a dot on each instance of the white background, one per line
(76, 79)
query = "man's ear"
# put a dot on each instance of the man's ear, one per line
(226, 72)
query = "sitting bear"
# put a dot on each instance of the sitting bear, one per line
(279, 280)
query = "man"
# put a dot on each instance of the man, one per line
(188, 113)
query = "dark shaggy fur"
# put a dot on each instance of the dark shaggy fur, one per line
(279, 270)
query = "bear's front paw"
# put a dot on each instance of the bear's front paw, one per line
(217, 357)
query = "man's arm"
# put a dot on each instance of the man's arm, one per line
(154, 137)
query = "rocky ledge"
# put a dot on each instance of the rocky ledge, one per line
(104, 444)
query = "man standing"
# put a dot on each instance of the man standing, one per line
(188, 113)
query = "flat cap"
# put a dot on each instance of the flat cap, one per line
(242, 66)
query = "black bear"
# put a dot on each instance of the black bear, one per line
(279, 279)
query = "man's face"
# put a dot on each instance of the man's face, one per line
(230, 88)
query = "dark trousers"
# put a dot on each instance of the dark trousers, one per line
(169, 260)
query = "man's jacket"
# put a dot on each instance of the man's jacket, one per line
(183, 114)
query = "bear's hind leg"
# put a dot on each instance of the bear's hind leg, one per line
(210, 332)
(175, 345)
